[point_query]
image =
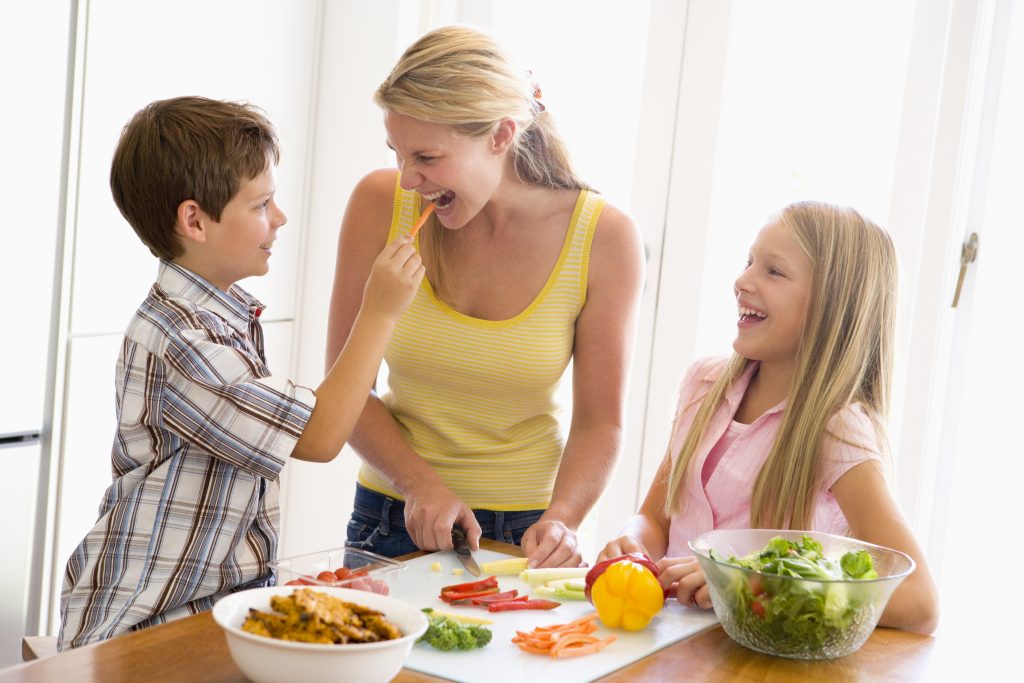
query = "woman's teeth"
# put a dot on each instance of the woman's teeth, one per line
(441, 198)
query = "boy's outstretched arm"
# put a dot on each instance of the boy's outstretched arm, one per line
(874, 516)
(392, 284)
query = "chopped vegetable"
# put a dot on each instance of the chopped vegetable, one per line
(457, 571)
(563, 640)
(458, 616)
(560, 591)
(445, 633)
(517, 604)
(798, 616)
(626, 591)
(507, 567)
(498, 597)
(538, 577)
(452, 597)
(489, 582)
(435, 567)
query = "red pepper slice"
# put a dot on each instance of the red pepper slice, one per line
(535, 603)
(452, 596)
(499, 597)
(489, 582)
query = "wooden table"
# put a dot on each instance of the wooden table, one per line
(194, 649)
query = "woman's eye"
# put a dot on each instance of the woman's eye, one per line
(774, 271)
(426, 160)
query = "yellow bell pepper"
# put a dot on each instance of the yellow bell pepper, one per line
(627, 595)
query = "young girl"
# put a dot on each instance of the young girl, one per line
(789, 432)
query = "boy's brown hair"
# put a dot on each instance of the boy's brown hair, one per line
(186, 148)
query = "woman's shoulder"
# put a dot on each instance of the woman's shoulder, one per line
(617, 252)
(371, 203)
(376, 185)
(615, 226)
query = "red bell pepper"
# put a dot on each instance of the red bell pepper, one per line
(535, 603)
(453, 596)
(498, 597)
(489, 582)
(599, 568)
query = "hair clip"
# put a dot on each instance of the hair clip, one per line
(537, 94)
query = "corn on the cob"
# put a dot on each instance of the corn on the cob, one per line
(508, 567)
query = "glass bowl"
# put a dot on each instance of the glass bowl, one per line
(352, 568)
(795, 617)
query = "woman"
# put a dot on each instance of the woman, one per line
(527, 269)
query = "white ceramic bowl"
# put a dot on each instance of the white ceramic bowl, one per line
(269, 660)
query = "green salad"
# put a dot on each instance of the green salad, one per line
(797, 616)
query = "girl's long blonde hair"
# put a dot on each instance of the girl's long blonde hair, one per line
(844, 357)
(461, 78)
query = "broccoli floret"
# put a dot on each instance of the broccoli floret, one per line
(444, 633)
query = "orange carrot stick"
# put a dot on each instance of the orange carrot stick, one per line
(422, 219)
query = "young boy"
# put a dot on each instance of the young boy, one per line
(203, 428)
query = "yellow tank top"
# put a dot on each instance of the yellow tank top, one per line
(476, 398)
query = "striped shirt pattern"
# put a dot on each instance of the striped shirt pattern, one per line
(203, 433)
(476, 398)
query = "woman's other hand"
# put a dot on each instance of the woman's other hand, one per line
(550, 543)
(683, 577)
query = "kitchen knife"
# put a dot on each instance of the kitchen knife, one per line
(463, 551)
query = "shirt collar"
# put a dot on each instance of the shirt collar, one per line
(179, 282)
(735, 393)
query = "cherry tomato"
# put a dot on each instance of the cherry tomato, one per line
(327, 577)
(342, 573)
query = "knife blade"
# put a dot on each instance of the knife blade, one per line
(464, 553)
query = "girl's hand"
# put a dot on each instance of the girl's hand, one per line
(683, 577)
(394, 278)
(623, 545)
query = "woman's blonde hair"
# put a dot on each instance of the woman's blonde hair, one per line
(844, 357)
(461, 78)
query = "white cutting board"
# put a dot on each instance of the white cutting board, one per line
(501, 660)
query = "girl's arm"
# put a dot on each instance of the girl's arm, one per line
(647, 530)
(874, 516)
(430, 507)
(601, 354)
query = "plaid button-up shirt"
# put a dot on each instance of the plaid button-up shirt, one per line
(203, 433)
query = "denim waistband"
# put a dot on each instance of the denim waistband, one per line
(390, 512)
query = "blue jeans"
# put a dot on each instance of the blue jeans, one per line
(378, 524)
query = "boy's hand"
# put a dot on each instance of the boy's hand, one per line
(393, 280)
(623, 545)
(683, 577)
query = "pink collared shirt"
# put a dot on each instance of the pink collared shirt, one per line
(723, 502)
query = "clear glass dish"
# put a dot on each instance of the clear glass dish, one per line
(795, 617)
(352, 568)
